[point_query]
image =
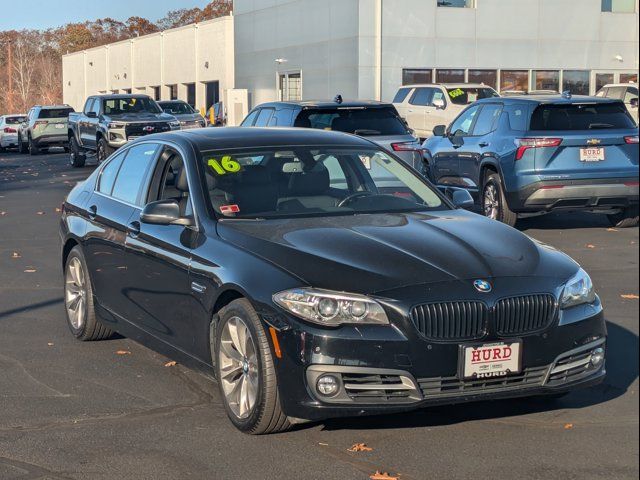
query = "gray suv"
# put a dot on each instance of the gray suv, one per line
(377, 121)
(44, 127)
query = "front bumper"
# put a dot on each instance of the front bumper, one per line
(600, 194)
(381, 370)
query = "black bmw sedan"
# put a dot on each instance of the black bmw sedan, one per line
(315, 276)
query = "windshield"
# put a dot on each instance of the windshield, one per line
(360, 121)
(119, 106)
(177, 108)
(55, 112)
(572, 116)
(14, 120)
(467, 95)
(309, 181)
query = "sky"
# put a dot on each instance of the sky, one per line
(42, 14)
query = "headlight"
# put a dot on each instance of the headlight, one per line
(114, 125)
(174, 124)
(578, 290)
(329, 308)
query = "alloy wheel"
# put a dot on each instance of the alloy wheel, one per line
(238, 366)
(75, 293)
(491, 202)
(100, 153)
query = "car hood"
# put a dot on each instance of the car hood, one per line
(141, 117)
(188, 117)
(377, 252)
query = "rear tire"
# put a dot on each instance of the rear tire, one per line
(249, 361)
(33, 150)
(494, 201)
(77, 158)
(78, 300)
(627, 218)
(104, 150)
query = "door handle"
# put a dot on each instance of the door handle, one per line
(133, 229)
(93, 212)
(483, 144)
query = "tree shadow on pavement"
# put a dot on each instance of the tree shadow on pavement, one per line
(622, 371)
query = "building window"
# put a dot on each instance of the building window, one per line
(191, 94)
(628, 78)
(173, 92)
(576, 81)
(514, 81)
(450, 76)
(457, 3)
(603, 79)
(619, 6)
(545, 80)
(290, 86)
(415, 76)
(486, 77)
(127, 91)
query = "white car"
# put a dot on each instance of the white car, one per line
(9, 130)
(627, 92)
(427, 105)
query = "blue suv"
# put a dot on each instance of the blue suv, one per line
(524, 156)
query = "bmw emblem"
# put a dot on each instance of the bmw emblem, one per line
(482, 286)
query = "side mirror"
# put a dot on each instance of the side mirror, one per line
(460, 197)
(439, 104)
(92, 115)
(440, 130)
(634, 102)
(164, 212)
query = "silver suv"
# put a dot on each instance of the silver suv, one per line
(44, 127)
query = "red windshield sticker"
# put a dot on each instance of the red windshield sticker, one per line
(227, 209)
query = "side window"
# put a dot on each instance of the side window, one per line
(248, 122)
(462, 125)
(337, 177)
(422, 97)
(632, 92)
(263, 117)
(401, 95)
(88, 105)
(517, 117)
(438, 98)
(109, 172)
(133, 173)
(96, 106)
(616, 92)
(281, 118)
(487, 119)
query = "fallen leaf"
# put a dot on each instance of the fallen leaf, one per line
(2, 214)
(323, 444)
(171, 364)
(58, 209)
(123, 352)
(630, 296)
(30, 270)
(382, 476)
(16, 255)
(360, 447)
(611, 230)
(39, 213)
(568, 426)
(588, 245)
(50, 344)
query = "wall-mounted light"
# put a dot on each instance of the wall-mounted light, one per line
(69, 83)
(125, 75)
(619, 58)
(206, 64)
(91, 64)
(280, 61)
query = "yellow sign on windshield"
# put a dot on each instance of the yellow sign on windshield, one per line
(225, 165)
(456, 93)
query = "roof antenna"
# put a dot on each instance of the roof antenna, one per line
(338, 99)
(566, 94)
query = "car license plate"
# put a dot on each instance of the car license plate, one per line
(492, 360)
(592, 154)
(60, 125)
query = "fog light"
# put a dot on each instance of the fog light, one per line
(597, 357)
(328, 385)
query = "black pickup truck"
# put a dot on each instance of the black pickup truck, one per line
(109, 121)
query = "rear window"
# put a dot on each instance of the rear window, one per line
(14, 120)
(401, 95)
(55, 112)
(467, 95)
(359, 121)
(592, 116)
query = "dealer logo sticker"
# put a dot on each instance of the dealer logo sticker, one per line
(482, 286)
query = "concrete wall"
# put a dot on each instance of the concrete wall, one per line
(196, 53)
(360, 47)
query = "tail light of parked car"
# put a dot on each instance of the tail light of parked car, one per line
(525, 144)
(13, 130)
(632, 140)
(39, 123)
(406, 147)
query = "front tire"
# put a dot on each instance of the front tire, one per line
(78, 300)
(76, 157)
(245, 371)
(494, 202)
(33, 150)
(627, 218)
(104, 150)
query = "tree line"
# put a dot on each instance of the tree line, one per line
(31, 60)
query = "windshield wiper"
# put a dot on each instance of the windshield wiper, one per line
(594, 126)
(363, 132)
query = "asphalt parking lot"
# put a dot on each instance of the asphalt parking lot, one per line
(116, 410)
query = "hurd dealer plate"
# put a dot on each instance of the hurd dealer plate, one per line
(491, 360)
(592, 154)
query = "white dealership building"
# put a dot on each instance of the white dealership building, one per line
(315, 49)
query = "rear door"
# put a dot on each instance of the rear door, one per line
(593, 140)
(418, 109)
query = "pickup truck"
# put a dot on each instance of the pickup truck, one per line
(107, 122)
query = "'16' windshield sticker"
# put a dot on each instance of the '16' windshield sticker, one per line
(456, 93)
(224, 166)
